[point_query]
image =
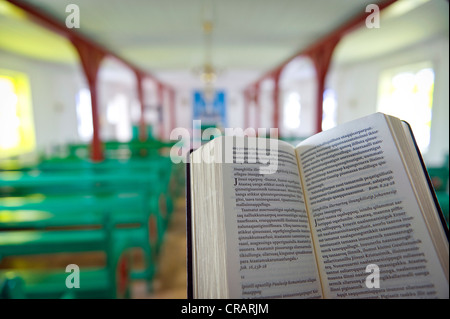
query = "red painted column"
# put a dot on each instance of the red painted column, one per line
(246, 108)
(172, 115)
(160, 95)
(90, 61)
(257, 107)
(140, 90)
(276, 100)
(321, 57)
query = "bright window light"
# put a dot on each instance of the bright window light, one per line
(84, 115)
(9, 120)
(118, 115)
(292, 111)
(329, 110)
(407, 93)
(17, 134)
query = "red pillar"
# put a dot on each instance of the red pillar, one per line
(257, 107)
(172, 114)
(321, 57)
(140, 90)
(276, 100)
(160, 94)
(90, 60)
(246, 108)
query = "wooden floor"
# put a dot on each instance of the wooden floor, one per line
(171, 277)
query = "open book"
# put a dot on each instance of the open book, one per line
(348, 213)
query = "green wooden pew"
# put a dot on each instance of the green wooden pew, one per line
(97, 178)
(48, 211)
(115, 149)
(15, 182)
(133, 220)
(110, 281)
(105, 189)
(160, 165)
(160, 168)
(11, 286)
(439, 176)
(60, 178)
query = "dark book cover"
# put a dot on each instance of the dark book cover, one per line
(430, 184)
(190, 291)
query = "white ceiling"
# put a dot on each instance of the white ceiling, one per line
(256, 35)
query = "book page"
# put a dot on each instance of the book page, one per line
(365, 214)
(269, 244)
(208, 230)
